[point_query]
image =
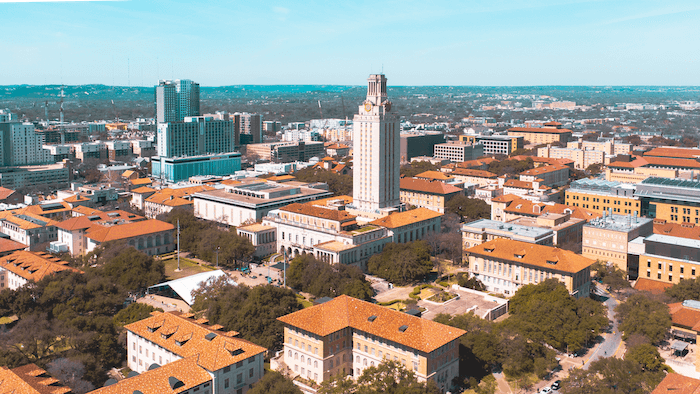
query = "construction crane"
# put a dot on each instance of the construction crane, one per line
(116, 114)
(60, 116)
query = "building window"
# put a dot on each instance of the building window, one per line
(225, 383)
(251, 372)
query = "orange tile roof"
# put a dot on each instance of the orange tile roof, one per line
(506, 198)
(40, 209)
(429, 187)
(544, 170)
(689, 231)
(76, 223)
(680, 153)
(522, 184)
(522, 206)
(652, 286)
(5, 192)
(474, 173)
(671, 162)
(33, 265)
(552, 123)
(157, 381)
(344, 311)
(186, 191)
(143, 190)
(532, 254)
(325, 201)
(76, 198)
(83, 210)
(164, 329)
(576, 212)
(684, 317)
(169, 200)
(128, 230)
(8, 245)
(544, 130)
(141, 181)
(281, 178)
(316, 211)
(636, 161)
(29, 379)
(26, 220)
(485, 161)
(675, 383)
(128, 173)
(437, 175)
(546, 160)
(400, 219)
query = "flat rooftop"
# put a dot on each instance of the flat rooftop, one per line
(517, 230)
(622, 223)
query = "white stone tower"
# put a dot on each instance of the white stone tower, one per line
(376, 140)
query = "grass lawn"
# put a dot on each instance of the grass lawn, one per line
(426, 293)
(399, 306)
(304, 302)
(7, 319)
(188, 267)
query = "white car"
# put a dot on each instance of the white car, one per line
(545, 390)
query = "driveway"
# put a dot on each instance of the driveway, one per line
(612, 341)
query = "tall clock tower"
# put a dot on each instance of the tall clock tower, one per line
(376, 145)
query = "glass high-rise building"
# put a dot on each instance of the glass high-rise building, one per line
(176, 100)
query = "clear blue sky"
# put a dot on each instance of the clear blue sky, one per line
(469, 42)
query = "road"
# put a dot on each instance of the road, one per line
(612, 340)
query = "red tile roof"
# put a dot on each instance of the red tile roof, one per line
(429, 187)
(684, 317)
(5, 192)
(128, 230)
(689, 231)
(33, 265)
(675, 383)
(344, 311)
(8, 245)
(652, 286)
(532, 254)
(316, 211)
(474, 173)
(29, 379)
(400, 219)
(547, 130)
(680, 153)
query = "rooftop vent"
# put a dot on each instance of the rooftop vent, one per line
(210, 336)
(403, 328)
(175, 382)
(153, 366)
(371, 318)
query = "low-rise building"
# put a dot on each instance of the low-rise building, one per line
(49, 176)
(422, 193)
(347, 335)
(673, 200)
(249, 201)
(456, 151)
(509, 207)
(165, 200)
(671, 253)
(495, 144)
(286, 151)
(552, 176)
(607, 239)
(28, 228)
(541, 135)
(216, 361)
(568, 231)
(72, 233)
(23, 266)
(484, 230)
(504, 265)
(480, 178)
(151, 236)
(30, 379)
(600, 196)
(264, 238)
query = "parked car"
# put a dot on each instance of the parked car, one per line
(545, 390)
(556, 385)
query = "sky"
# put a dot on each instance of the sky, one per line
(321, 42)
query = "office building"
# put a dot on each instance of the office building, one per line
(377, 151)
(607, 239)
(176, 169)
(21, 145)
(505, 265)
(195, 136)
(495, 144)
(176, 100)
(673, 200)
(287, 152)
(552, 175)
(456, 151)
(484, 230)
(601, 196)
(347, 335)
(249, 128)
(249, 201)
(21, 267)
(671, 253)
(541, 135)
(415, 144)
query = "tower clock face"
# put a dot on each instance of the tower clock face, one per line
(368, 106)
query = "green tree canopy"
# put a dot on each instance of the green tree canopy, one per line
(253, 312)
(134, 312)
(611, 376)
(511, 166)
(546, 313)
(468, 208)
(402, 263)
(310, 275)
(338, 184)
(274, 382)
(647, 356)
(389, 377)
(685, 289)
(416, 167)
(640, 314)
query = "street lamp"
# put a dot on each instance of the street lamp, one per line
(217, 256)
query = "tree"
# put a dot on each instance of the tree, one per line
(134, 312)
(546, 313)
(338, 184)
(389, 377)
(135, 270)
(416, 167)
(468, 208)
(685, 289)
(253, 312)
(402, 263)
(464, 280)
(70, 373)
(647, 356)
(594, 169)
(611, 275)
(511, 166)
(611, 376)
(274, 382)
(321, 279)
(639, 314)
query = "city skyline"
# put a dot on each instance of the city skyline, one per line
(547, 42)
